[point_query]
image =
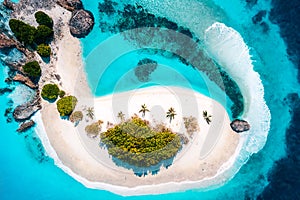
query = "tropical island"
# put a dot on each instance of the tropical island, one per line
(134, 142)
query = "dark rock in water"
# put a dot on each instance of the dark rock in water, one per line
(8, 80)
(259, 16)
(81, 23)
(25, 80)
(25, 111)
(240, 125)
(265, 27)
(70, 5)
(5, 90)
(144, 69)
(25, 126)
(7, 112)
(251, 3)
(35, 147)
(9, 4)
(8, 115)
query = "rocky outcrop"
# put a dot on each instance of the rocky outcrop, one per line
(25, 80)
(240, 125)
(81, 23)
(6, 42)
(25, 126)
(9, 42)
(9, 4)
(70, 5)
(25, 111)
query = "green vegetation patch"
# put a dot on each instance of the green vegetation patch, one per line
(50, 92)
(66, 105)
(32, 69)
(23, 32)
(136, 143)
(43, 34)
(44, 50)
(43, 19)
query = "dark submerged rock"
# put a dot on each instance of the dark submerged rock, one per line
(251, 3)
(25, 126)
(26, 110)
(81, 23)
(240, 125)
(259, 16)
(5, 90)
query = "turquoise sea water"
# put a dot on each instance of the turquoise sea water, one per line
(25, 173)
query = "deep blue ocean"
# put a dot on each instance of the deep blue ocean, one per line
(273, 173)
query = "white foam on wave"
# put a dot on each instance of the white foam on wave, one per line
(228, 48)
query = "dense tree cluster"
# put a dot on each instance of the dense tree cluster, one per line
(23, 32)
(66, 105)
(32, 69)
(136, 143)
(43, 19)
(50, 92)
(29, 35)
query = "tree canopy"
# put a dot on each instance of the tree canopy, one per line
(66, 105)
(23, 32)
(43, 34)
(43, 19)
(50, 92)
(44, 50)
(32, 69)
(136, 143)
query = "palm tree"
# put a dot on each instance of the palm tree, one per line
(171, 114)
(121, 116)
(206, 117)
(143, 110)
(90, 112)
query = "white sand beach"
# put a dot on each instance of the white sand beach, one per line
(195, 166)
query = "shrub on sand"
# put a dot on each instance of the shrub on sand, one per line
(66, 105)
(50, 92)
(32, 69)
(44, 50)
(76, 117)
(94, 129)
